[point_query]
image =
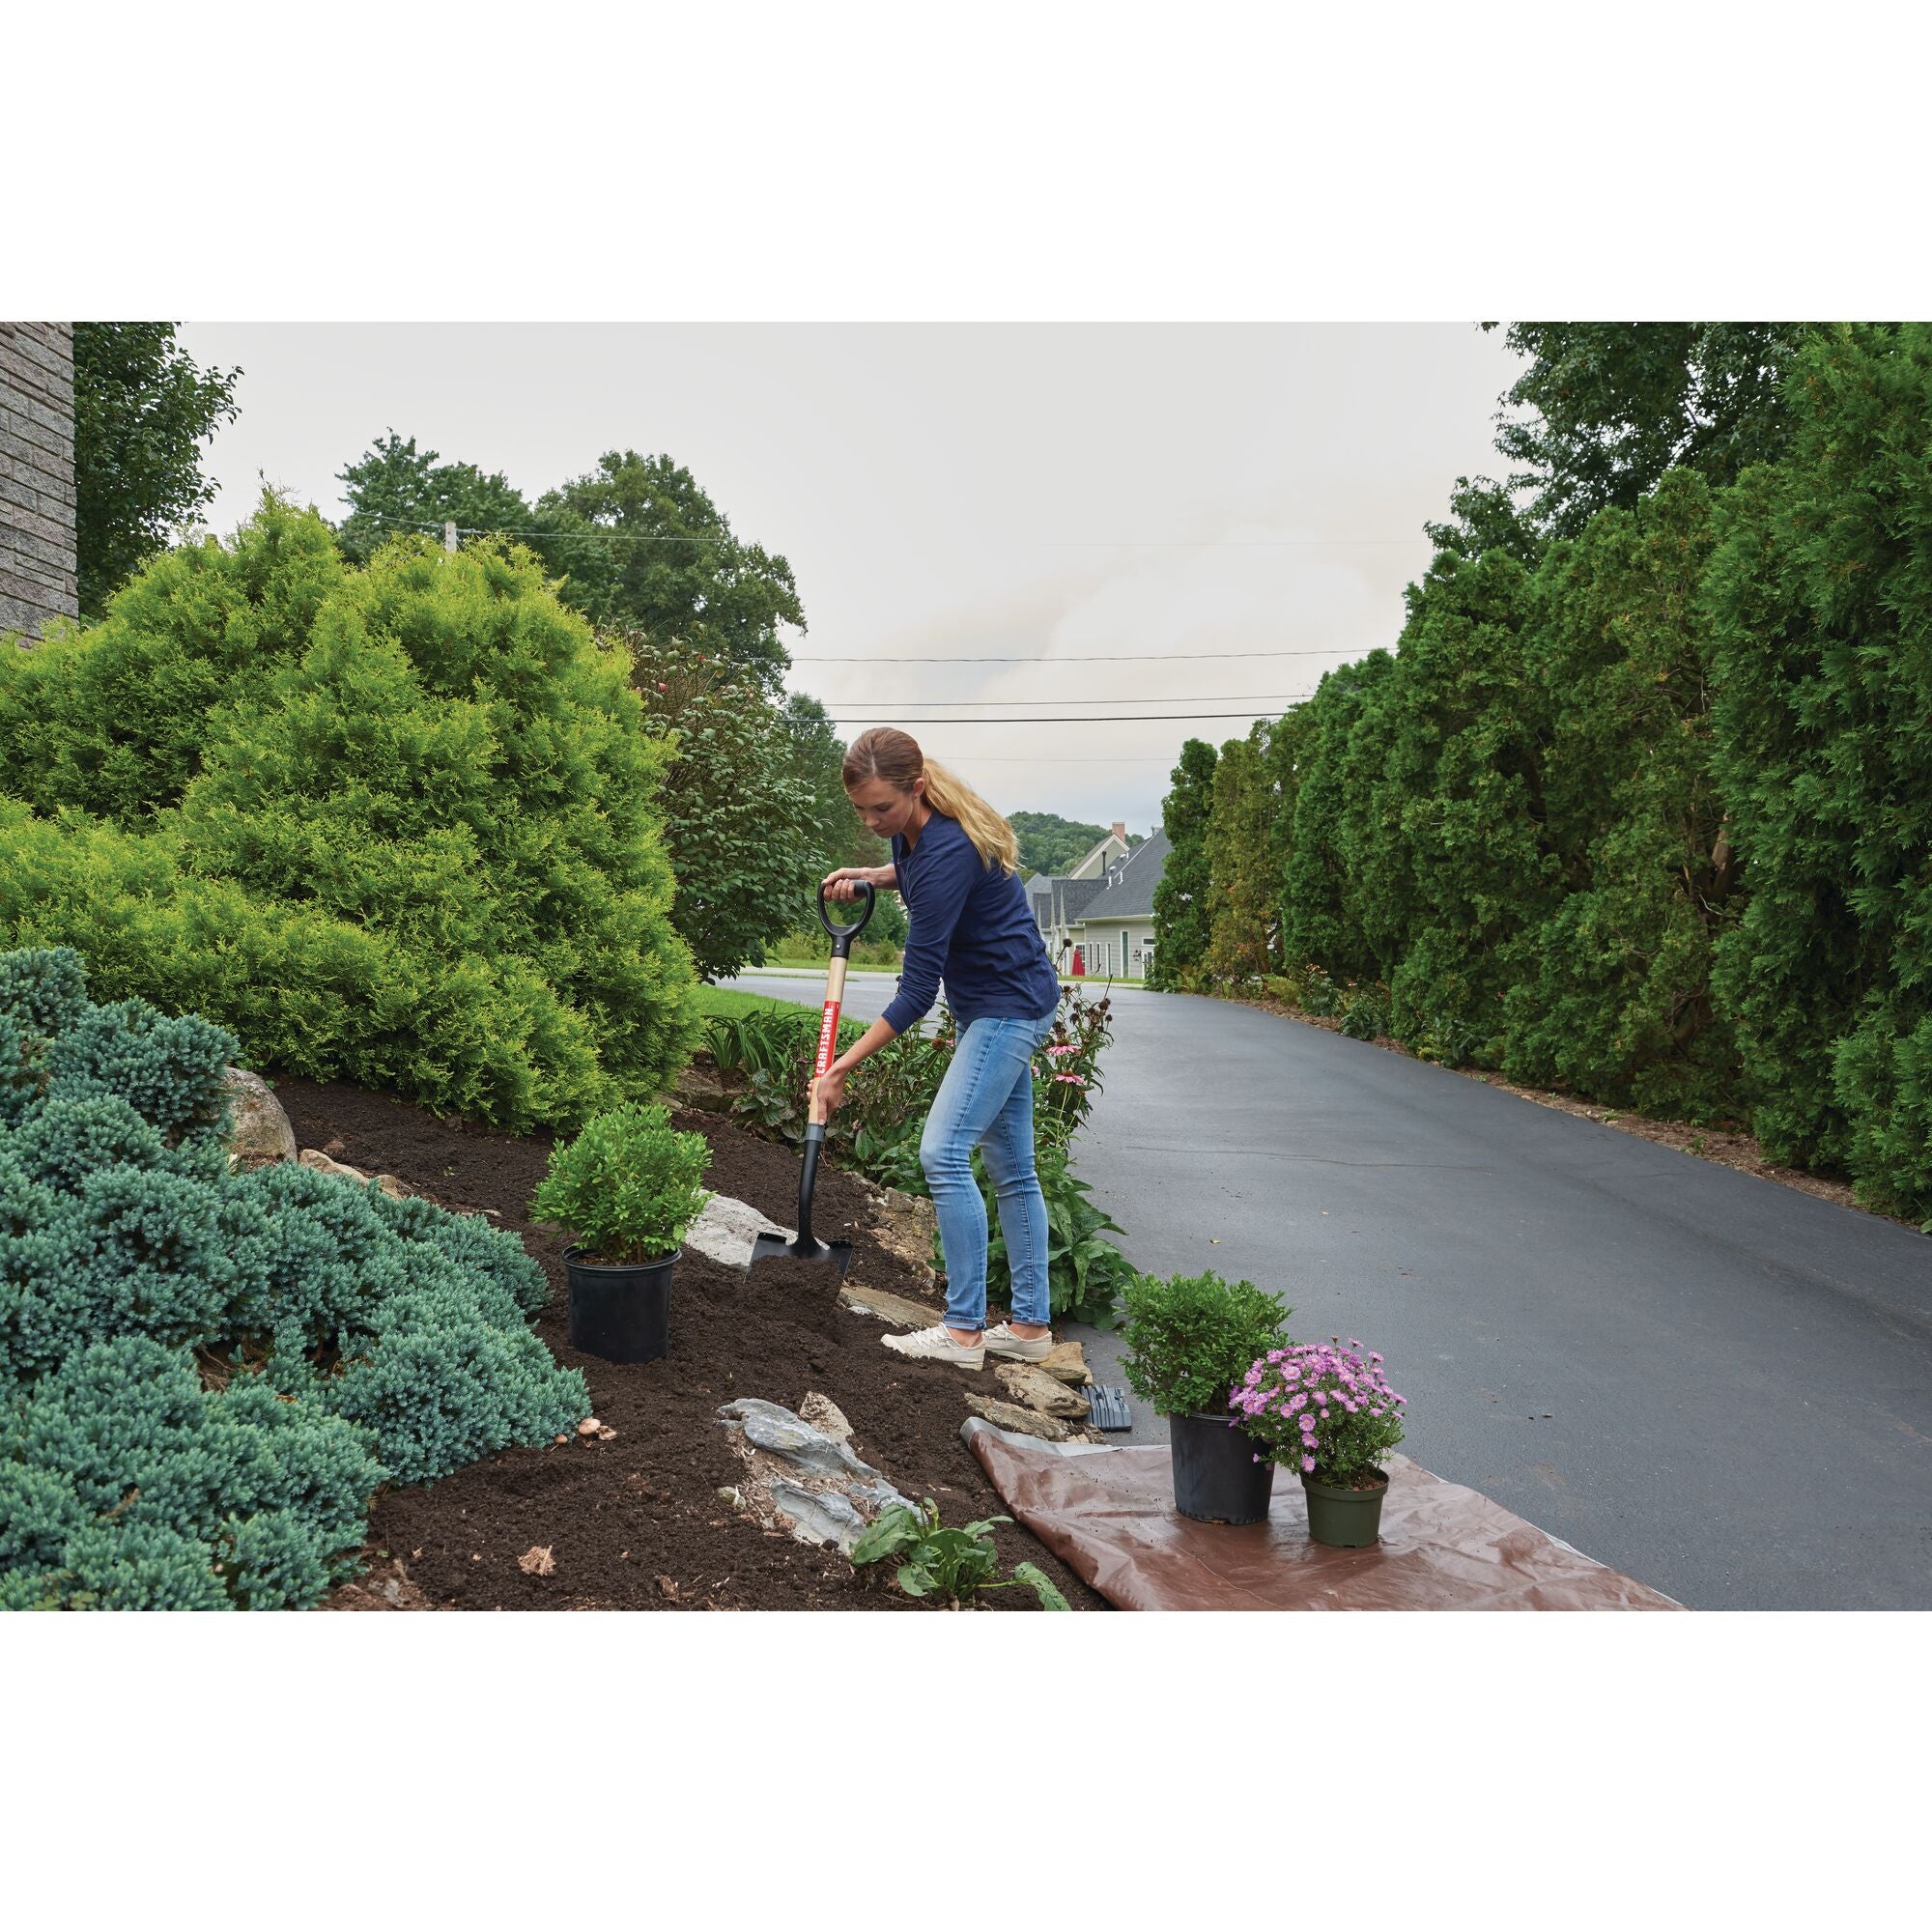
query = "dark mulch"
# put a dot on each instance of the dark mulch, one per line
(636, 1523)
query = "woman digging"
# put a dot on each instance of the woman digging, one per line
(955, 862)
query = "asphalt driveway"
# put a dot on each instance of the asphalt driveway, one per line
(1718, 1384)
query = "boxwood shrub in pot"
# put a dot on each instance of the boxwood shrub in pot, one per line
(1326, 1411)
(627, 1187)
(1190, 1339)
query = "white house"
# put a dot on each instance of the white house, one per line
(1097, 919)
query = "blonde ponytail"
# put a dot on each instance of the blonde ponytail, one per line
(993, 838)
(894, 756)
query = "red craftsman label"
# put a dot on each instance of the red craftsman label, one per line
(828, 1034)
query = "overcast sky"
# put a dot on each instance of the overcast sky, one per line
(1039, 492)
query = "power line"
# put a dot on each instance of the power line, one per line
(1112, 697)
(1104, 656)
(1038, 543)
(982, 758)
(1121, 718)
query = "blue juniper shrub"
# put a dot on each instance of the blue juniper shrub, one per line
(205, 1375)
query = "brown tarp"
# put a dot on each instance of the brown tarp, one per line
(1110, 1517)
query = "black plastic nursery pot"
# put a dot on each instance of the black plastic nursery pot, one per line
(1216, 1478)
(621, 1313)
(1344, 1518)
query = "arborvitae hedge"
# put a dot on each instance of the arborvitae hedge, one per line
(1647, 816)
(204, 1375)
(397, 824)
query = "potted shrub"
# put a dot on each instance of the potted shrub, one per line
(1191, 1340)
(1328, 1413)
(627, 1187)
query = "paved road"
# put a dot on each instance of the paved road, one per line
(1718, 1384)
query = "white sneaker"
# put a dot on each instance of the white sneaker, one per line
(1001, 1340)
(935, 1344)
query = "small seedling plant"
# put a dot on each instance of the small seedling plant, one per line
(951, 1565)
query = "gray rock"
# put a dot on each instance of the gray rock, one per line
(802, 1447)
(261, 1132)
(726, 1230)
(815, 1519)
(878, 1496)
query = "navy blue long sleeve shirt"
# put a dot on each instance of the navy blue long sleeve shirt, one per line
(967, 922)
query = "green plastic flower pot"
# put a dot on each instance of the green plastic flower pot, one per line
(1344, 1518)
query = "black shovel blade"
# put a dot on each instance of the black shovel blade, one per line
(787, 1248)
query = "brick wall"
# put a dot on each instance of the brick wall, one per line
(36, 554)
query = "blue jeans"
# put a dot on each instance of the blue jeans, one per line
(986, 1097)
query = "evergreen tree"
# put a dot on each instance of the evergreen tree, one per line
(1820, 603)
(1613, 405)
(1180, 898)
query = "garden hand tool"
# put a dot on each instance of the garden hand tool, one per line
(768, 1247)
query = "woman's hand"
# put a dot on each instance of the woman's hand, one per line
(829, 1088)
(843, 885)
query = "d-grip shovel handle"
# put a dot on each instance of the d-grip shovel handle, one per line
(842, 936)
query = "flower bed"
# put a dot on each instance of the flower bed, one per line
(635, 1522)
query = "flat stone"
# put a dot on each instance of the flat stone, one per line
(893, 1308)
(322, 1164)
(1066, 1363)
(1021, 1421)
(726, 1230)
(825, 1416)
(1031, 1389)
(828, 1518)
(778, 1433)
(260, 1132)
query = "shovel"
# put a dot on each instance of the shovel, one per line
(769, 1247)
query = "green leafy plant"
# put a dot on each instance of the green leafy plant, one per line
(1067, 1070)
(1085, 1272)
(952, 1565)
(1191, 1338)
(628, 1185)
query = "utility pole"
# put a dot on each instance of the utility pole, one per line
(449, 536)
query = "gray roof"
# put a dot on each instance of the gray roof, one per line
(1129, 887)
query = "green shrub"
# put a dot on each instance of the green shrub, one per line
(628, 1187)
(345, 1336)
(125, 1485)
(1191, 1338)
(44, 991)
(394, 824)
(169, 1070)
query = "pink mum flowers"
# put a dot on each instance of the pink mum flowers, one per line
(1341, 1437)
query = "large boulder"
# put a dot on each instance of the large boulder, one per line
(261, 1133)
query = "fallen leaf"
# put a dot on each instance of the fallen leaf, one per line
(607, 1434)
(667, 1588)
(538, 1562)
(416, 1552)
(590, 1426)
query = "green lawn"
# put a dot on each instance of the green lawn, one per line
(728, 1003)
